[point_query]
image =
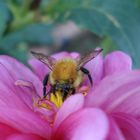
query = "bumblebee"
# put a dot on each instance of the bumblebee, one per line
(65, 74)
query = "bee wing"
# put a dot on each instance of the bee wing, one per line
(88, 57)
(49, 61)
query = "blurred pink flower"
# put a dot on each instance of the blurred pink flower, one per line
(110, 111)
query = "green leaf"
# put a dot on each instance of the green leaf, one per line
(16, 43)
(38, 34)
(44, 4)
(118, 19)
(4, 17)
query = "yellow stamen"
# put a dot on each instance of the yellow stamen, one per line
(52, 103)
(41, 103)
(44, 105)
(56, 99)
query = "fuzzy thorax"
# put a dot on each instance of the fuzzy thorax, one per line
(66, 70)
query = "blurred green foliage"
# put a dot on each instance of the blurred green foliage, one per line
(24, 23)
(21, 26)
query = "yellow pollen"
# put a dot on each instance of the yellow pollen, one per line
(53, 103)
(56, 99)
(44, 105)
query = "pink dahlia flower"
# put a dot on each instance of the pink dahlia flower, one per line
(110, 111)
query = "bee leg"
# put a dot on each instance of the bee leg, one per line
(45, 81)
(73, 91)
(85, 71)
(65, 95)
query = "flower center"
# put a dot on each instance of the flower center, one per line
(56, 99)
(50, 105)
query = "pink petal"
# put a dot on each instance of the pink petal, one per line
(95, 67)
(61, 55)
(5, 131)
(24, 121)
(18, 71)
(11, 71)
(129, 103)
(86, 124)
(11, 94)
(72, 104)
(39, 68)
(75, 55)
(118, 93)
(24, 137)
(115, 132)
(8, 98)
(117, 62)
(129, 125)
